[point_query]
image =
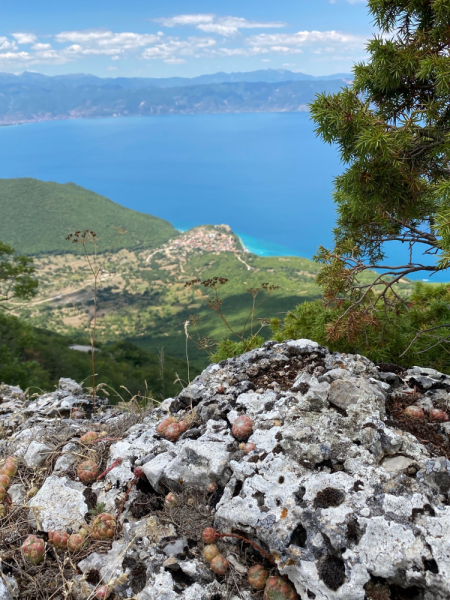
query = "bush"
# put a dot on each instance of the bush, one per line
(385, 338)
(229, 348)
(35, 357)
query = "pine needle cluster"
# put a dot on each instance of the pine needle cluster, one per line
(392, 129)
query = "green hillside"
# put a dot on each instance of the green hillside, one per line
(141, 295)
(36, 358)
(36, 217)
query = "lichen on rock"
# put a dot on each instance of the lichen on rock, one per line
(339, 489)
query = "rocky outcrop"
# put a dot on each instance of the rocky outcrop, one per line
(349, 496)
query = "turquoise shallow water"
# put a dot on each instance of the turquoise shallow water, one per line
(265, 248)
(265, 175)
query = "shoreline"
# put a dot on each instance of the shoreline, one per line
(255, 246)
(265, 249)
(302, 108)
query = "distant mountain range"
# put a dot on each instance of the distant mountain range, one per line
(263, 75)
(32, 97)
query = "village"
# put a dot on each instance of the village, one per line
(208, 239)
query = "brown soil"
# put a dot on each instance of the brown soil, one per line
(424, 431)
(285, 375)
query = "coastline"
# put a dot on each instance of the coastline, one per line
(253, 245)
(264, 248)
(301, 108)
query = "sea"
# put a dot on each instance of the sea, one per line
(268, 176)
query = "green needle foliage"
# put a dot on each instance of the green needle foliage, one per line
(16, 276)
(412, 337)
(392, 129)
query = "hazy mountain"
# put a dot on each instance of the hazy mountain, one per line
(263, 75)
(35, 97)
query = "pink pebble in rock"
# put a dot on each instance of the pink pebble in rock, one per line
(242, 427)
(249, 446)
(436, 414)
(414, 412)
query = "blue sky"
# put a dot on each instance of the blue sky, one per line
(156, 38)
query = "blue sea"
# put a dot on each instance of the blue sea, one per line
(266, 175)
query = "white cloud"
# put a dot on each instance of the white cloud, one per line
(211, 23)
(173, 48)
(104, 42)
(14, 56)
(39, 46)
(50, 55)
(24, 38)
(75, 45)
(234, 52)
(6, 44)
(174, 61)
(255, 50)
(24, 59)
(77, 49)
(181, 20)
(317, 42)
(304, 38)
(110, 68)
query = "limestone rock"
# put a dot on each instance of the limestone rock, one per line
(9, 589)
(66, 460)
(396, 464)
(36, 454)
(344, 500)
(17, 493)
(59, 504)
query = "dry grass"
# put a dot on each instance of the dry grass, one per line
(192, 514)
(50, 580)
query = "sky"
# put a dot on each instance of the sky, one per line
(165, 38)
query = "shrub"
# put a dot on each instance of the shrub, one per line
(228, 348)
(403, 337)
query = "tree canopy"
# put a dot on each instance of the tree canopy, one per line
(392, 129)
(16, 276)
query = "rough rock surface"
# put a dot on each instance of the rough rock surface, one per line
(59, 504)
(349, 505)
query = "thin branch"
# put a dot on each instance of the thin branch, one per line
(422, 332)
